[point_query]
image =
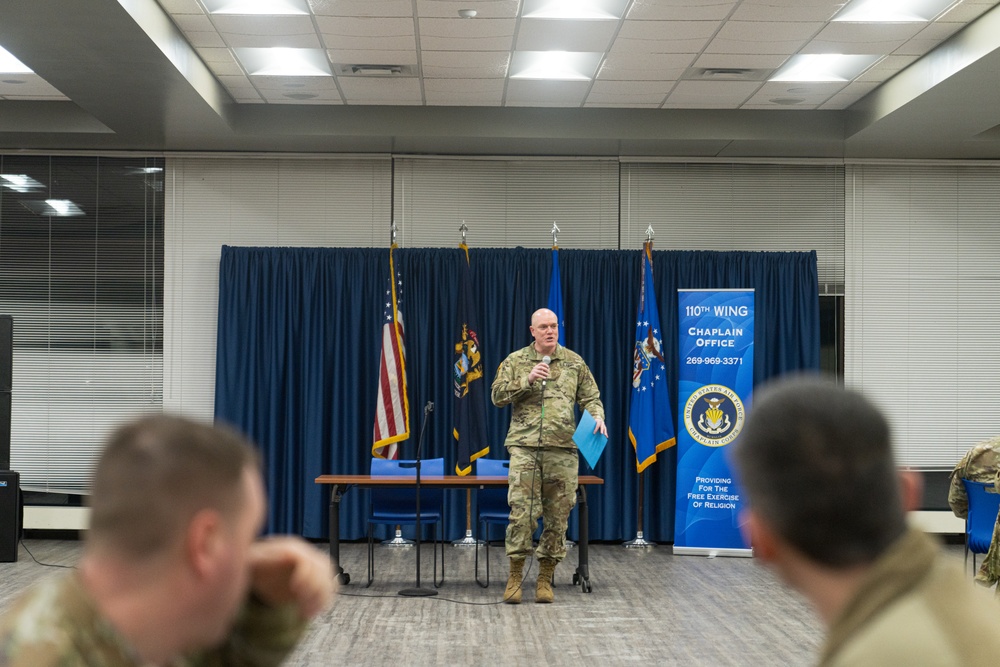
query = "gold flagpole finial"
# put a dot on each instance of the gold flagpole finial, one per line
(649, 234)
(392, 233)
(555, 234)
(463, 228)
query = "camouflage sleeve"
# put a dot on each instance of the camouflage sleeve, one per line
(588, 396)
(509, 384)
(957, 498)
(262, 637)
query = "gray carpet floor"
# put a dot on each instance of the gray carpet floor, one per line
(646, 606)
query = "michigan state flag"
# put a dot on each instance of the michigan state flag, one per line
(470, 396)
(650, 421)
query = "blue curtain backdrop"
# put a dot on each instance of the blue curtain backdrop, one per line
(299, 341)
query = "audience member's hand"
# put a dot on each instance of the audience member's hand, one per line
(288, 569)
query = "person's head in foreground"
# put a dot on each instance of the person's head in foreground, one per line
(173, 552)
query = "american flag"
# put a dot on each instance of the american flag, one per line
(392, 410)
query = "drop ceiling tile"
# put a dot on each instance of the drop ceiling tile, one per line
(787, 10)
(756, 37)
(182, 6)
(846, 98)
(556, 35)
(464, 92)
(263, 26)
(363, 57)
(464, 64)
(486, 9)
(710, 94)
(810, 95)
(861, 38)
(28, 86)
(680, 10)
(741, 61)
(359, 8)
(663, 36)
(886, 68)
(535, 93)
(967, 11)
(307, 40)
(629, 92)
(372, 34)
(602, 104)
(278, 96)
(293, 84)
(467, 35)
(205, 39)
(928, 39)
(380, 90)
(194, 22)
(644, 66)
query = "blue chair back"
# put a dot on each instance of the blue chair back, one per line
(492, 502)
(394, 501)
(983, 509)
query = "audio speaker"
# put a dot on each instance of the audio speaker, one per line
(10, 515)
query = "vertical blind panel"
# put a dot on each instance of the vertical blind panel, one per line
(252, 202)
(85, 293)
(506, 203)
(788, 207)
(922, 306)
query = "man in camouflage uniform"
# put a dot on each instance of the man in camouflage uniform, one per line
(980, 464)
(543, 458)
(172, 571)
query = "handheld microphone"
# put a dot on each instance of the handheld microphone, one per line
(429, 407)
(546, 360)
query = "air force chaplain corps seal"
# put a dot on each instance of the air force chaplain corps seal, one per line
(714, 415)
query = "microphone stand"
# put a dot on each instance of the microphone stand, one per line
(417, 591)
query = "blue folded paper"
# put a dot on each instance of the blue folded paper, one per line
(590, 444)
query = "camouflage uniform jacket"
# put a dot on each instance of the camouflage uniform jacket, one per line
(915, 606)
(570, 382)
(55, 624)
(980, 464)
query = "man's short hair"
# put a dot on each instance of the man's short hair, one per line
(816, 462)
(156, 473)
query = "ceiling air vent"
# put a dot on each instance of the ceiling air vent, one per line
(373, 70)
(726, 74)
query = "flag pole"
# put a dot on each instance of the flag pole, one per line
(640, 541)
(468, 540)
(398, 540)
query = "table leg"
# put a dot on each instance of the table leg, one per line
(335, 496)
(582, 575)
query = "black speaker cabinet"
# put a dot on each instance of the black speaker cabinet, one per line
(10, 515)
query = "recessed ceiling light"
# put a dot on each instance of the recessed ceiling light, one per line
(893, 11)
(824, 67)
(787, 101)
(467, 13)
(281, 61)
(11, 65)
(600, 10)
(273, 7)
(556, 65)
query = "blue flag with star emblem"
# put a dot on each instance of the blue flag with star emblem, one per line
(555, 296)
(650, 421)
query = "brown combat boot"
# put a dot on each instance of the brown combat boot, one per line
(543, 588)
(512, 594)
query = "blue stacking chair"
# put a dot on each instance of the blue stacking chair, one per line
(984, 506)
(492, 507)
(397, 506)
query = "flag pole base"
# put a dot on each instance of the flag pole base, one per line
(467, 541)
(638, 543)
(398, 541)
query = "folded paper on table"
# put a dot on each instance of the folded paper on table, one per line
(590, 444)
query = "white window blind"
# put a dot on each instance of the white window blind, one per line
(506, 202)
(281, 201)
(85, 293)
(923, 303)
(762, 207)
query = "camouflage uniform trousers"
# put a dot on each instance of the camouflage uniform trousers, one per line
(548, 492)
